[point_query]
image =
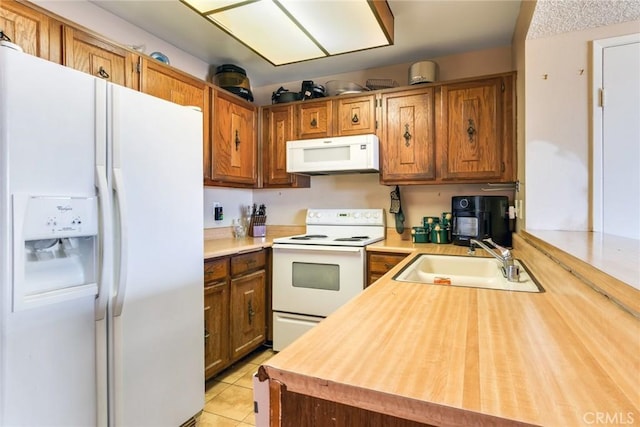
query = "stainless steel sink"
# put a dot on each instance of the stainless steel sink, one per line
(466, 271)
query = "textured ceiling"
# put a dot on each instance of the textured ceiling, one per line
(562, 16)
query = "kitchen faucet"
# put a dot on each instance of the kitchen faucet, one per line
(510, 269)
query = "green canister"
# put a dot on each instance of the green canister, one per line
(439, 234)
(446, 218)
(419, 235)
(430, 221)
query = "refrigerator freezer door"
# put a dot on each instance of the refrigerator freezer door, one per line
(157, 308)
(47, 353)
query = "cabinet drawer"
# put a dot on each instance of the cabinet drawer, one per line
(383, 262)
(216, 270)
(247, 262)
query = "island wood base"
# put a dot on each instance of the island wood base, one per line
(289, 409)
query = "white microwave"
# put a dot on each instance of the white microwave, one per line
(324, 156)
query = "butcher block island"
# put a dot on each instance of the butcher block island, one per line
(406, 354)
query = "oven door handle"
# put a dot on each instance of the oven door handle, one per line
(354, 249)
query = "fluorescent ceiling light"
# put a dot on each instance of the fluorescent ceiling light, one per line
(287, 31)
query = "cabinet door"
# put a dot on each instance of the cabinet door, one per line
(234, 145)
(216, 315)
(277, 129)
(314, 119)
(30, 29)
(247, 313)
(216, 328)
(379, 263)
(164, 82)
(356, 115)
(473, 132)
(407, 142)
(98, 57)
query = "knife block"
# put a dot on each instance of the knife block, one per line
(258, 226)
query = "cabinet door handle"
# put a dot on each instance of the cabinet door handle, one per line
(250, 312)
(355, 119)
(471, 130)
(237, 140)
(313, 122)
(206, 335)
(103, 73)
(407, 135)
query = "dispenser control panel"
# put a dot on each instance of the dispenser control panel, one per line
(48, 217)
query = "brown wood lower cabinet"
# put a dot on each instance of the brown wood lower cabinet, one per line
(234, 308)
(379, 263)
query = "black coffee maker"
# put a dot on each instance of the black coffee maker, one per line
(479, 217)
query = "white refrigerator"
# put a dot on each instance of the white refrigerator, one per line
(101, 249)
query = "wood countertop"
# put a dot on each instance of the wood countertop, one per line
(461, 356)
(222, 243)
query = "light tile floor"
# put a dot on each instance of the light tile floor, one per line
(229, 395)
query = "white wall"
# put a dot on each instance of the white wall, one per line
(557, 129)
(288, 207)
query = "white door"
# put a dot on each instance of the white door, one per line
(617, 141)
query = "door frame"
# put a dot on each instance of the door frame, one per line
(596, 196)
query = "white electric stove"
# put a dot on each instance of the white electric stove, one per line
(317, 272)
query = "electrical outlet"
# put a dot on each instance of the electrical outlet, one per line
(519, 208)
(218, 214)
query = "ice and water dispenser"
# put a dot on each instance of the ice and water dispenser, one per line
(55, 249)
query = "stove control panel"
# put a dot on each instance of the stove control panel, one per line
(345, 216)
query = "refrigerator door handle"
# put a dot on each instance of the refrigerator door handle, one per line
(121, 279)
(105, 241)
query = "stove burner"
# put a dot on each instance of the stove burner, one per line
(309, 237)
(351, 239)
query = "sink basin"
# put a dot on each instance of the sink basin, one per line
(466, 271)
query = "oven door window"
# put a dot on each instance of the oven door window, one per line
(316, 276)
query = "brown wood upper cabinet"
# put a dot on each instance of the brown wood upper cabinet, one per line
(100, 58)
(461, 131)
(36, 33)
(407, 148)
(277, 129)
(314, 119)
(234, 148)
(338, 116)
(165, 82)
(475, 130)
(356, 115)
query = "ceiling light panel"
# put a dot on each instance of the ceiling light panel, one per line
(338, 26)
(267, 30)
(287, 31)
